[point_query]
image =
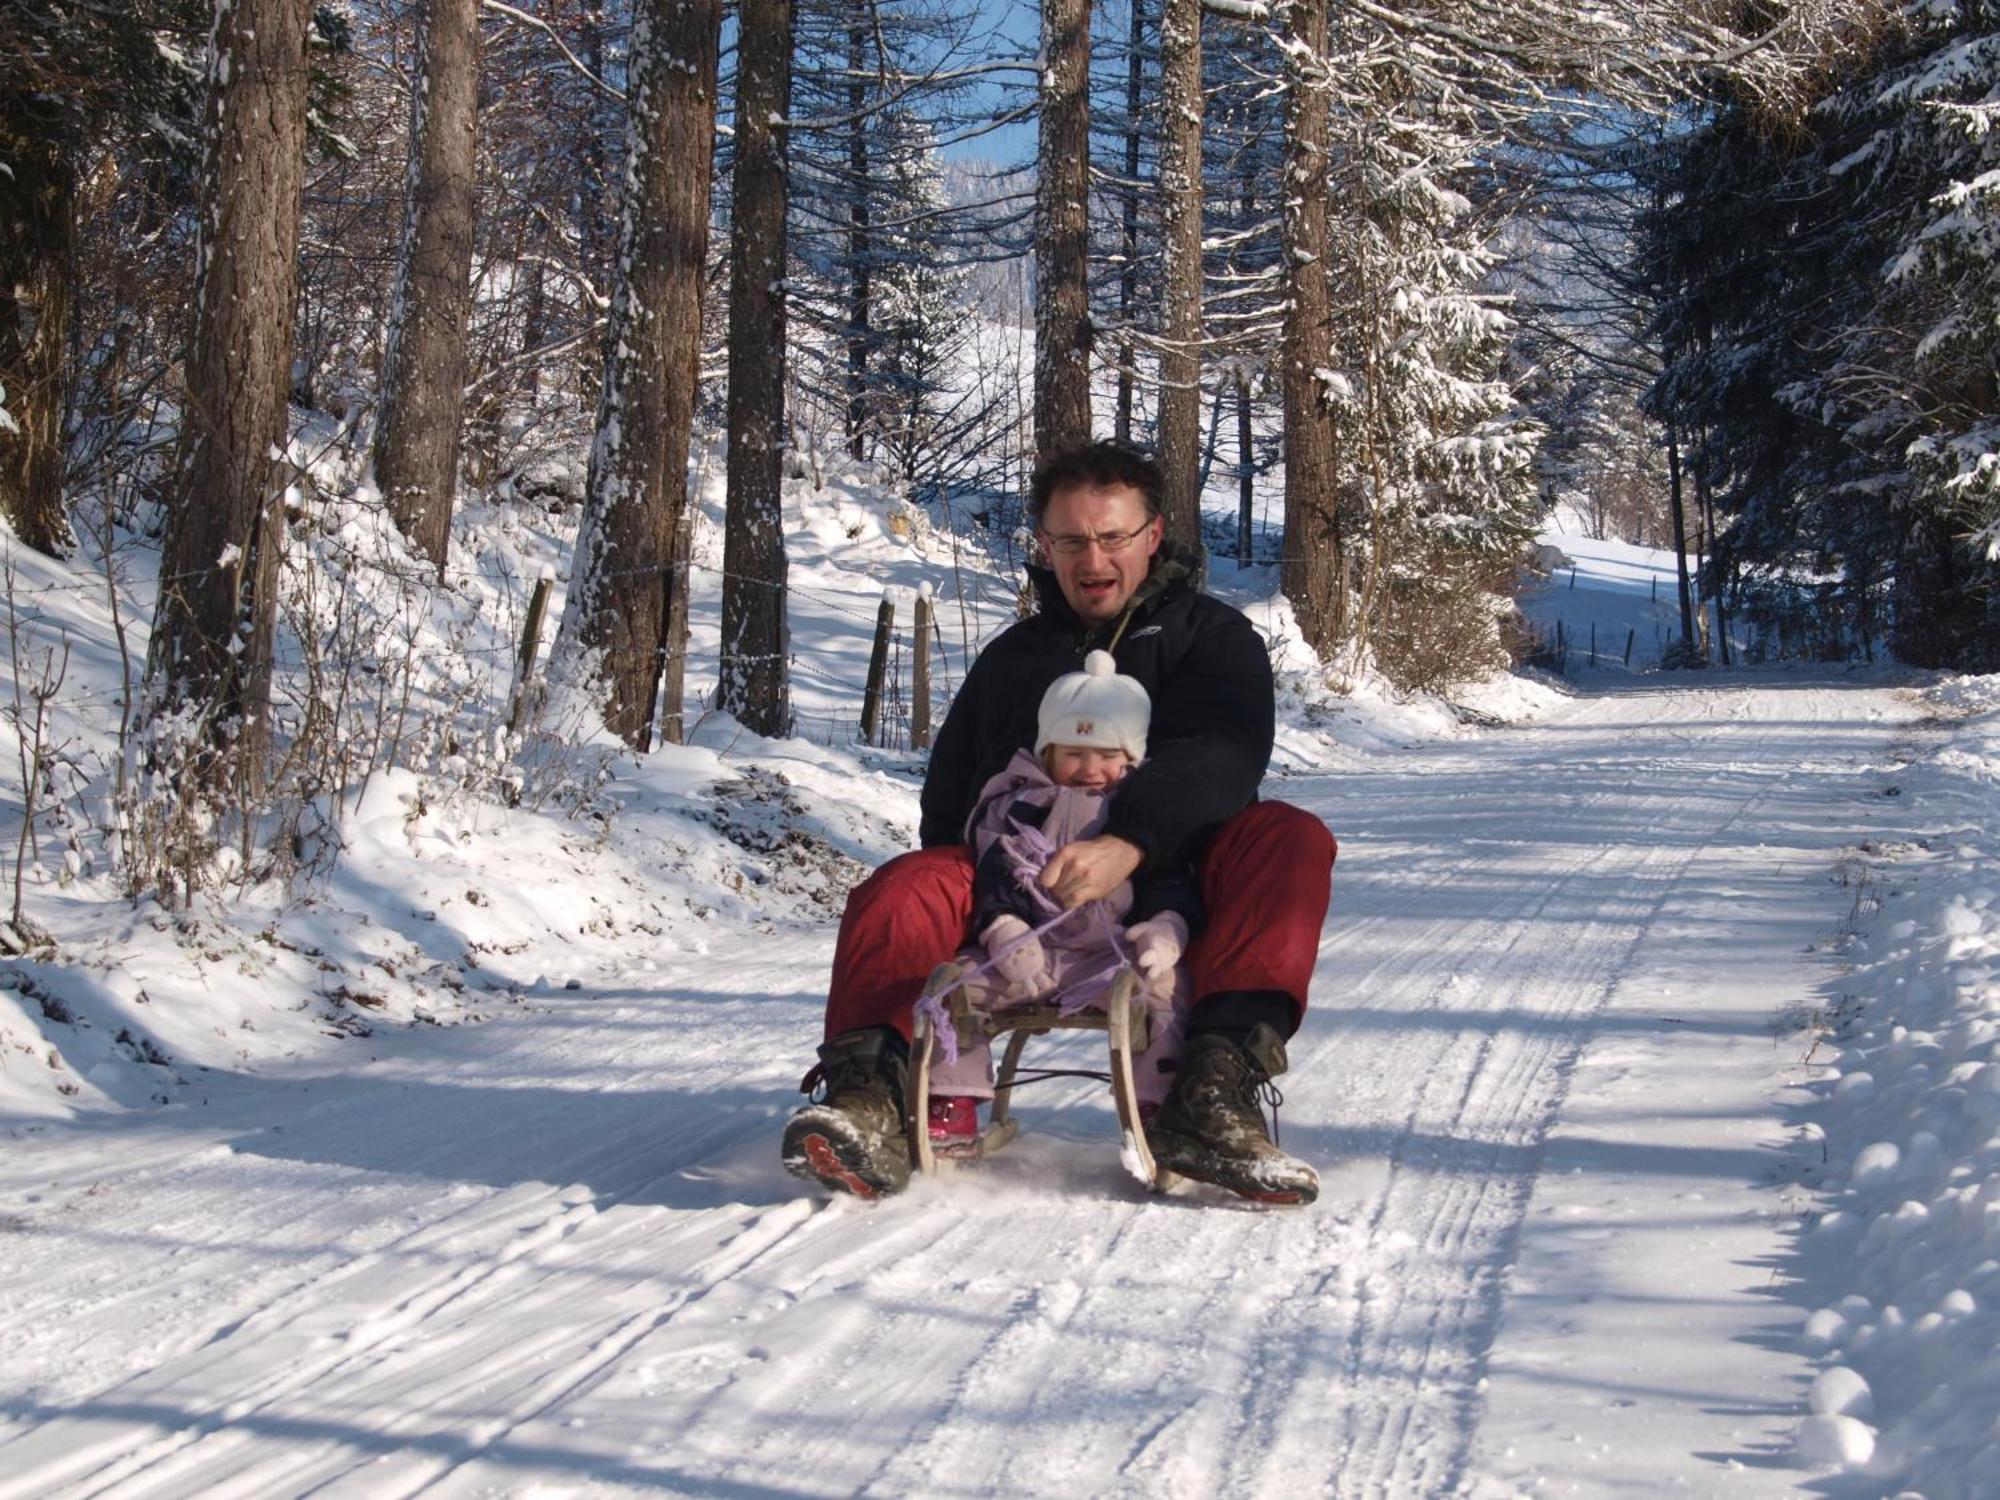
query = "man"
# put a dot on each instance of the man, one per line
(1265, 868)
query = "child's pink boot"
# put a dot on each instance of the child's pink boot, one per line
(954, 1125)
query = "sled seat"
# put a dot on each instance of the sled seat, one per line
(1125, 1018)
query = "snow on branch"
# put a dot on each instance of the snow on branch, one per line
(1238, 10)
(536, 23)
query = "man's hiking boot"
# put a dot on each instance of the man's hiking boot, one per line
(851, 1138)
(1211, 1127)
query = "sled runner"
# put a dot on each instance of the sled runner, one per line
(1125, 1019)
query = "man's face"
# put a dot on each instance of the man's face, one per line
(1080, 531)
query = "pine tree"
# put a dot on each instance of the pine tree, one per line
(77, 76)
(1435, 464)
(754, 674)
(1315, 572)
(613, 644)
(418, 433)
(1181, 198)
(1063, 334)
(917, 403)
(1824, 286)
(873, 84)
(1940, 330)
(215, 624)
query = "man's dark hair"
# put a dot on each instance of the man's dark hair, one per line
(1096, 466)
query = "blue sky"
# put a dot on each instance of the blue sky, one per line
(1016, 26)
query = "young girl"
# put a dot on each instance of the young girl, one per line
(1091, 731)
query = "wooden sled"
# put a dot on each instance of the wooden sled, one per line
(1126, 1020)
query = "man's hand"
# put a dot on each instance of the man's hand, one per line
(1090, 869)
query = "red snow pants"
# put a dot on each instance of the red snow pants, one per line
(1266, 879)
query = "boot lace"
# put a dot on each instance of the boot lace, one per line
(813, 1085)
(1243, 1083)
(829, 1078)
(823, 1079)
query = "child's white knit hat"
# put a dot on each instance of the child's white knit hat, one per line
(1095, 707)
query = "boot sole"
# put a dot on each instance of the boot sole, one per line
(815, 1153)
(821, 1163)
(1202, 1166)
(1276, 1198)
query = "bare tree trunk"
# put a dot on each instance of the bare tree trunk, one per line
(37, 231)
(216, 620)
(673, 698)
(1246, 446)
(1246, 470)
(597, 238)
(753, 678)
(1180, 270)
(1718, 586)
(1315, 561)
(860, 244)
(1680, 536)
(535, 311)
(1062, 233)
(1128, 273)
(418, 433)
(611, 643)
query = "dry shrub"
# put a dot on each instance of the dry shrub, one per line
(1439, 624)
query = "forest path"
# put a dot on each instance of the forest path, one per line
(555, 1254)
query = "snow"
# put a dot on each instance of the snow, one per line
(1653, 1074)
(1607, 592)
(1901, 1260)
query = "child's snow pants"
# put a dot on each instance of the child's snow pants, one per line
(1266, 879)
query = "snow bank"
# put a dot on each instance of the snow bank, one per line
(1902, 1266)
(425, 899)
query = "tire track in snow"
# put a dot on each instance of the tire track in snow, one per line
(301, 1322)
(1403, 1402)
(1405, 1340)
(474, 1253)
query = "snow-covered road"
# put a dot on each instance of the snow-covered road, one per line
(1557, 1009)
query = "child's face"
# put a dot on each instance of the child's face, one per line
(1087, 766)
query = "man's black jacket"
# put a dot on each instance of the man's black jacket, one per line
(1209, 677)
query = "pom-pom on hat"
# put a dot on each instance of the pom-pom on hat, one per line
(1096, 707)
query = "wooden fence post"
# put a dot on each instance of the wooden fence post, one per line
(531, 645)
(674, 635)
(878, 666)
(920, 673)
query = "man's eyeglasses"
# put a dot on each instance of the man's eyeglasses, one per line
(1109, 541)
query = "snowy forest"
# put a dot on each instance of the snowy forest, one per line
(1409, 276)
(495, 496)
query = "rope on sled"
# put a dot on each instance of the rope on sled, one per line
(1043, 1075)
(1075, 996)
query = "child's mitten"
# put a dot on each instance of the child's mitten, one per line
(1022, 963)
(1157, 945)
